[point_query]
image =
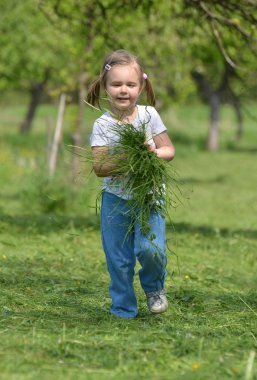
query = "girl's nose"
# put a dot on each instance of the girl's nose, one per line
(123, 88)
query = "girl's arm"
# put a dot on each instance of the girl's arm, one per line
(104, 164)
(164, 147)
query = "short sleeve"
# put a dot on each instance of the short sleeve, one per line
(157, 125)
(98, 136)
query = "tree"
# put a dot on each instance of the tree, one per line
(30, 56)
(221, 68)
(173, 39)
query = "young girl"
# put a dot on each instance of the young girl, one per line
(122, 79)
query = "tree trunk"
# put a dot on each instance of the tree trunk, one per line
(239, 115)
(239, 131)
(215, 97)
(213, 138)
(36, 92)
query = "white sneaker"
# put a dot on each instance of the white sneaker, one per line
(157, 301)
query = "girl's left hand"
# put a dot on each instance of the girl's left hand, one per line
(151, 148)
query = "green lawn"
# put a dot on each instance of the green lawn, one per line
(54, 320)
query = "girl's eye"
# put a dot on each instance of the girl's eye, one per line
(130, 85)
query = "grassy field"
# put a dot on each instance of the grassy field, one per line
(54, 320)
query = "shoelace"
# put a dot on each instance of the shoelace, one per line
(155, 297)
(156, 294)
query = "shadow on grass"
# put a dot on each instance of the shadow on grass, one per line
(47, 223)
(240, 149)
(43, 223)
(189, 141)
(192, 180)
(210, 231)
(10, 197)
(35, 142)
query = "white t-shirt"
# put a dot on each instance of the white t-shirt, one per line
(103, 134)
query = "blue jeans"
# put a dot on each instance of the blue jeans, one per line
(122, 249)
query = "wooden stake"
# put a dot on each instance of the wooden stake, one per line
(57, 136)
(49, 128)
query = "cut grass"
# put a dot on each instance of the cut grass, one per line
(54, 320)
(151, 184)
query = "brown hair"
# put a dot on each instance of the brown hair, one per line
(118, 57)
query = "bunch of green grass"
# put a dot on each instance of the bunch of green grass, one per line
(151, 183)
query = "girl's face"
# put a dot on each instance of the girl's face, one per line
(123, 87)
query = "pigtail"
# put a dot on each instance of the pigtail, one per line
(149, 92)
(93, 95)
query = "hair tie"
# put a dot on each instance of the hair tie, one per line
(107, 67)
(144, 75)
